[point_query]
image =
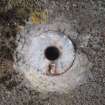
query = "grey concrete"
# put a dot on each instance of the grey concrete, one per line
(88, 18)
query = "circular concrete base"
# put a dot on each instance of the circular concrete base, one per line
(61, 74)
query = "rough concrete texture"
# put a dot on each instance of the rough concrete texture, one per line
(87, 17)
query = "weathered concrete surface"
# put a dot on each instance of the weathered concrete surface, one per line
(87, 16)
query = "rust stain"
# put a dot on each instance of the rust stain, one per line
(52, 70)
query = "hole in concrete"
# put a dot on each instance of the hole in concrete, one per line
(52, 53)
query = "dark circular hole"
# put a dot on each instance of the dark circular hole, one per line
(52, 53)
